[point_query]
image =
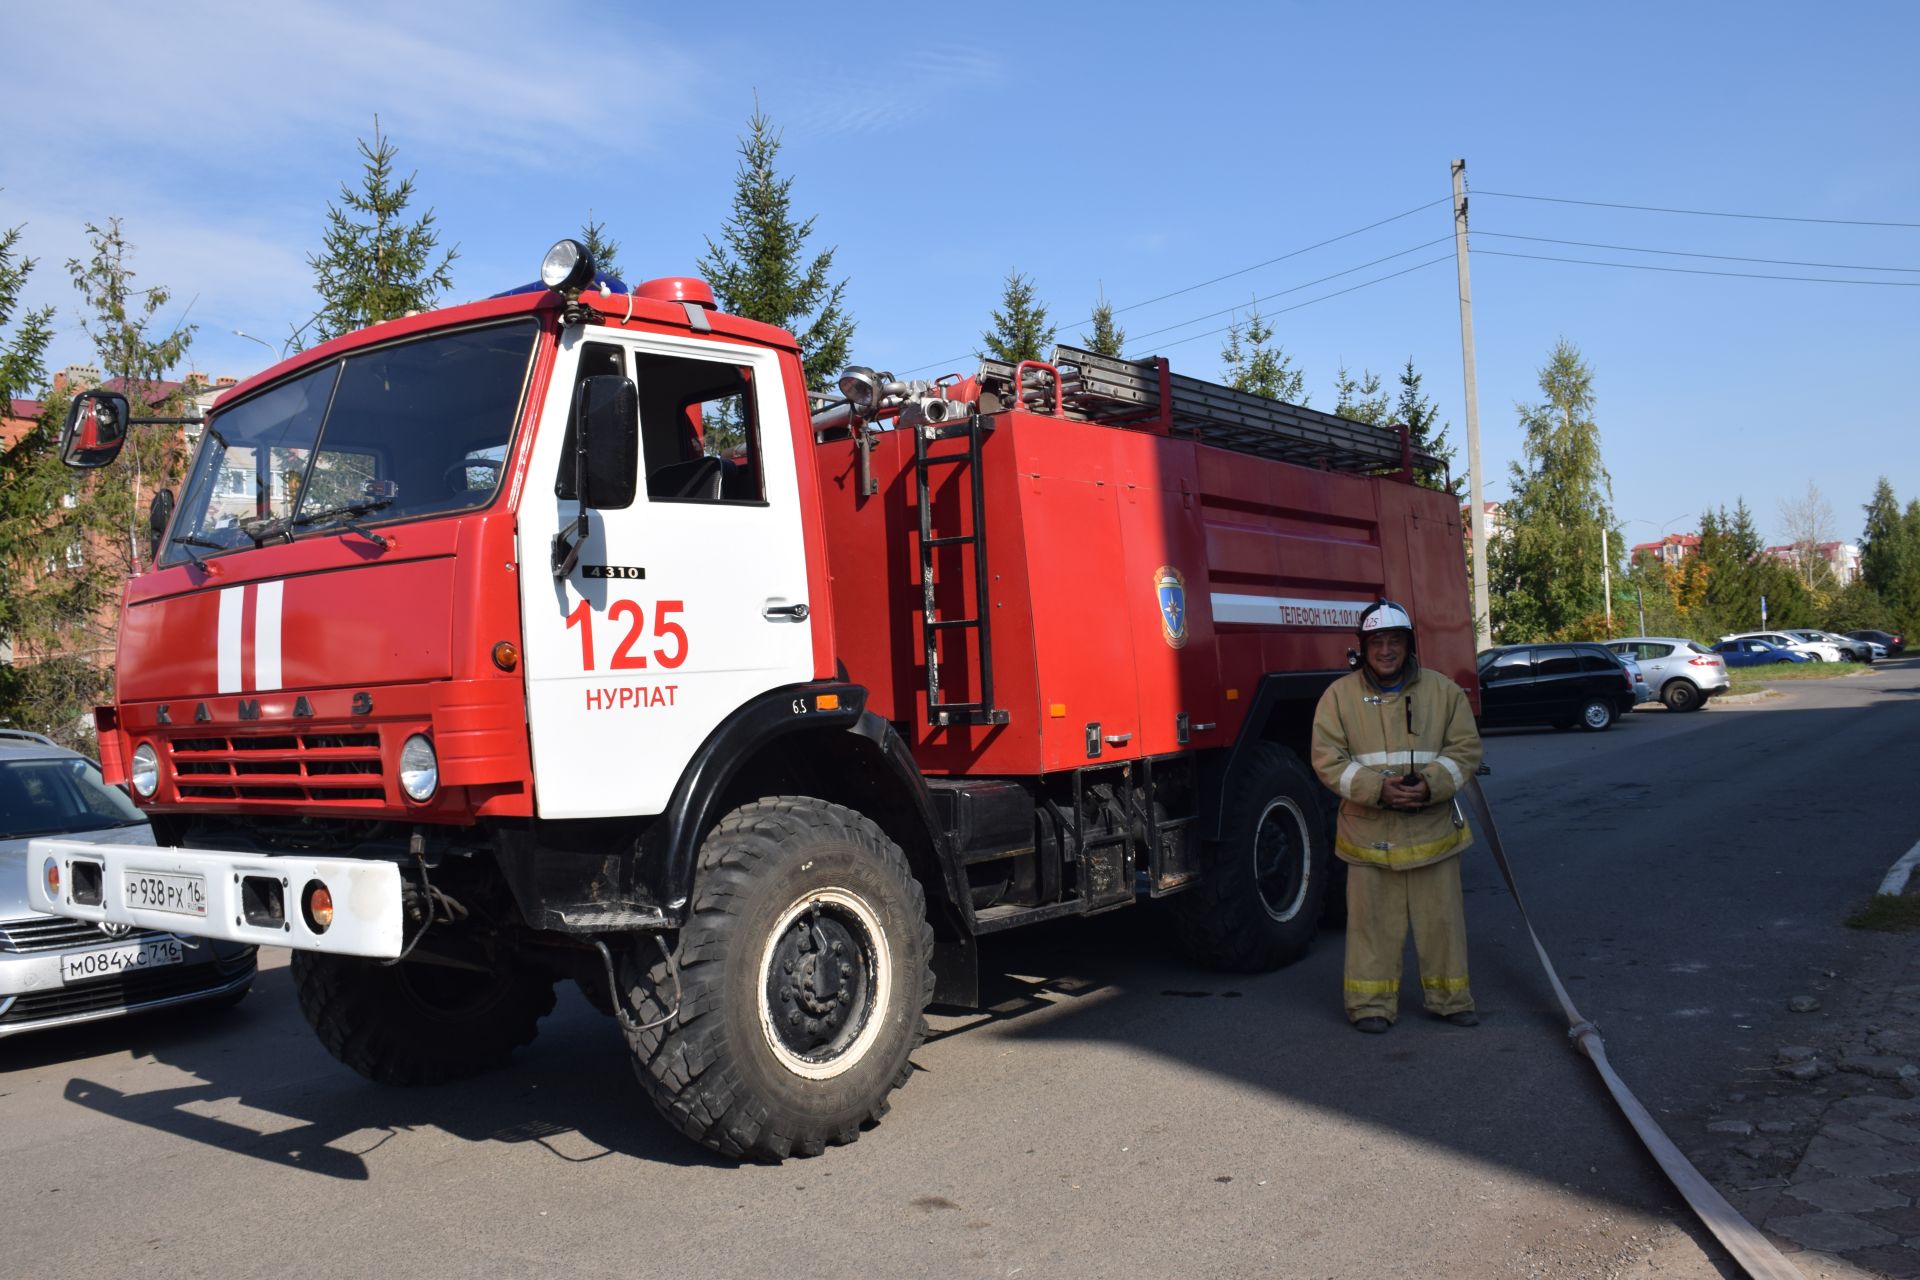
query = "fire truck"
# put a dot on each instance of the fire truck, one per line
(565, 636)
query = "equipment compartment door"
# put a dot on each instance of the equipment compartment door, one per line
(683, 606)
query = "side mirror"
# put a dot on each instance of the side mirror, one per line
(158, 514)
(607, 457)
(96, 428)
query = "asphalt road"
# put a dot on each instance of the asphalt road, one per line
(1116, 1112)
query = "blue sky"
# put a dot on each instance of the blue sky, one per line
(1135, 149)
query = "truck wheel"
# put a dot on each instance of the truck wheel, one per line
(1257, 904)
(805, 973)
(417, 1023)
(1681, 695)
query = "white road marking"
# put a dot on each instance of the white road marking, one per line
(1896, 882)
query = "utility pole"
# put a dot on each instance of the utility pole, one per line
(1606, 577)
(1477, 513)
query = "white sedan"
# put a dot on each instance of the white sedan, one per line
(1818, 650)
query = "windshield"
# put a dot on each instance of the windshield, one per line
(414, 429)
(47, 797)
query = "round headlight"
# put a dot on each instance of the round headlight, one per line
(567, 265)
(419, 768)
(146, 769)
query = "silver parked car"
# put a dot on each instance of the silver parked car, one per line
(55, 971)
(1682, 673)
(1850, 649)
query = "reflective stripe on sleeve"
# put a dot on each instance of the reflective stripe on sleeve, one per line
(1453, 771)
(1347, 776)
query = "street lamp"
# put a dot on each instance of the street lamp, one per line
(241, 333)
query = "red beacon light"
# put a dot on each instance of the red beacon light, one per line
(678, 289)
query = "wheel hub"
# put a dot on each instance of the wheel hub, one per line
(819, 984)
(1280, 860)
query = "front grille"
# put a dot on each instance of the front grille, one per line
(110, 995)
(56, 933)
(336, 769)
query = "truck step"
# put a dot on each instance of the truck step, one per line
(613, 917)
(994, 919)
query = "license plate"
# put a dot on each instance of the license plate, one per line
(111, 962)
(159, 891)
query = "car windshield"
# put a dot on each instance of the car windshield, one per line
(1697, 647)
(47, 797)
(394, 433)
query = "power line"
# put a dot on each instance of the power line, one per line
(1133, 306)
(1283, 257)
(1721, 257)
(1700, 213)
(1393, 275)
(1702, 271)
(1295, 288)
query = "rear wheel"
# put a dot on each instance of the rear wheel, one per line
(1681, 695)
(1258, 902)
(418, 1023)
(805, 973)
(1596, 715)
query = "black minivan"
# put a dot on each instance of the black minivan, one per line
(1557, 684)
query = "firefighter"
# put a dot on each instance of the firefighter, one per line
(1395, 743)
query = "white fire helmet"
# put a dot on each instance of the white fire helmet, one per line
(1385, 615)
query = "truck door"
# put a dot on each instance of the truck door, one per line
(684, 605)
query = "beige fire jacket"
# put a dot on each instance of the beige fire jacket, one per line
(1360, 736)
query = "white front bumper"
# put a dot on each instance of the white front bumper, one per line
(367, 919)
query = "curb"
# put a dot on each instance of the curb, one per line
(1745, 699)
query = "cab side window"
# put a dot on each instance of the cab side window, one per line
(699, 431)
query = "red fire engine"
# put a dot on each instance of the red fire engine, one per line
(564, 635)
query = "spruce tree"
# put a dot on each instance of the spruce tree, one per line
(1107, 338)
(1251, 365)
(604, 250)
(757, 268)
(374, 264)
(1419, 415)
(1020, 329)
(1545, 575)
(1361, 398)
(1883, 548)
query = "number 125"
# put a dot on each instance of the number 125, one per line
(624, 659)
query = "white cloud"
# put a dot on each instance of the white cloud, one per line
(213, 83)
(908, 87)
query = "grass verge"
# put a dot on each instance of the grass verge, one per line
(1750, 679)
(1887, 913)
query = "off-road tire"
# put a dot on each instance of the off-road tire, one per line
(738, 1068)
(1597, 715)
(1258, 902)
(1682, 695)
(415, 1023)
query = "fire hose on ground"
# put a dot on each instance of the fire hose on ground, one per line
(1751, 1250)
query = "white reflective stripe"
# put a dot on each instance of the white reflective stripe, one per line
(1396, 757)
(266, 636)
(1287, 611)
(233, 603)
(1453, 771)
(1346, 778)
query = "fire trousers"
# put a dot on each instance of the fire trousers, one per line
(1380, 906)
